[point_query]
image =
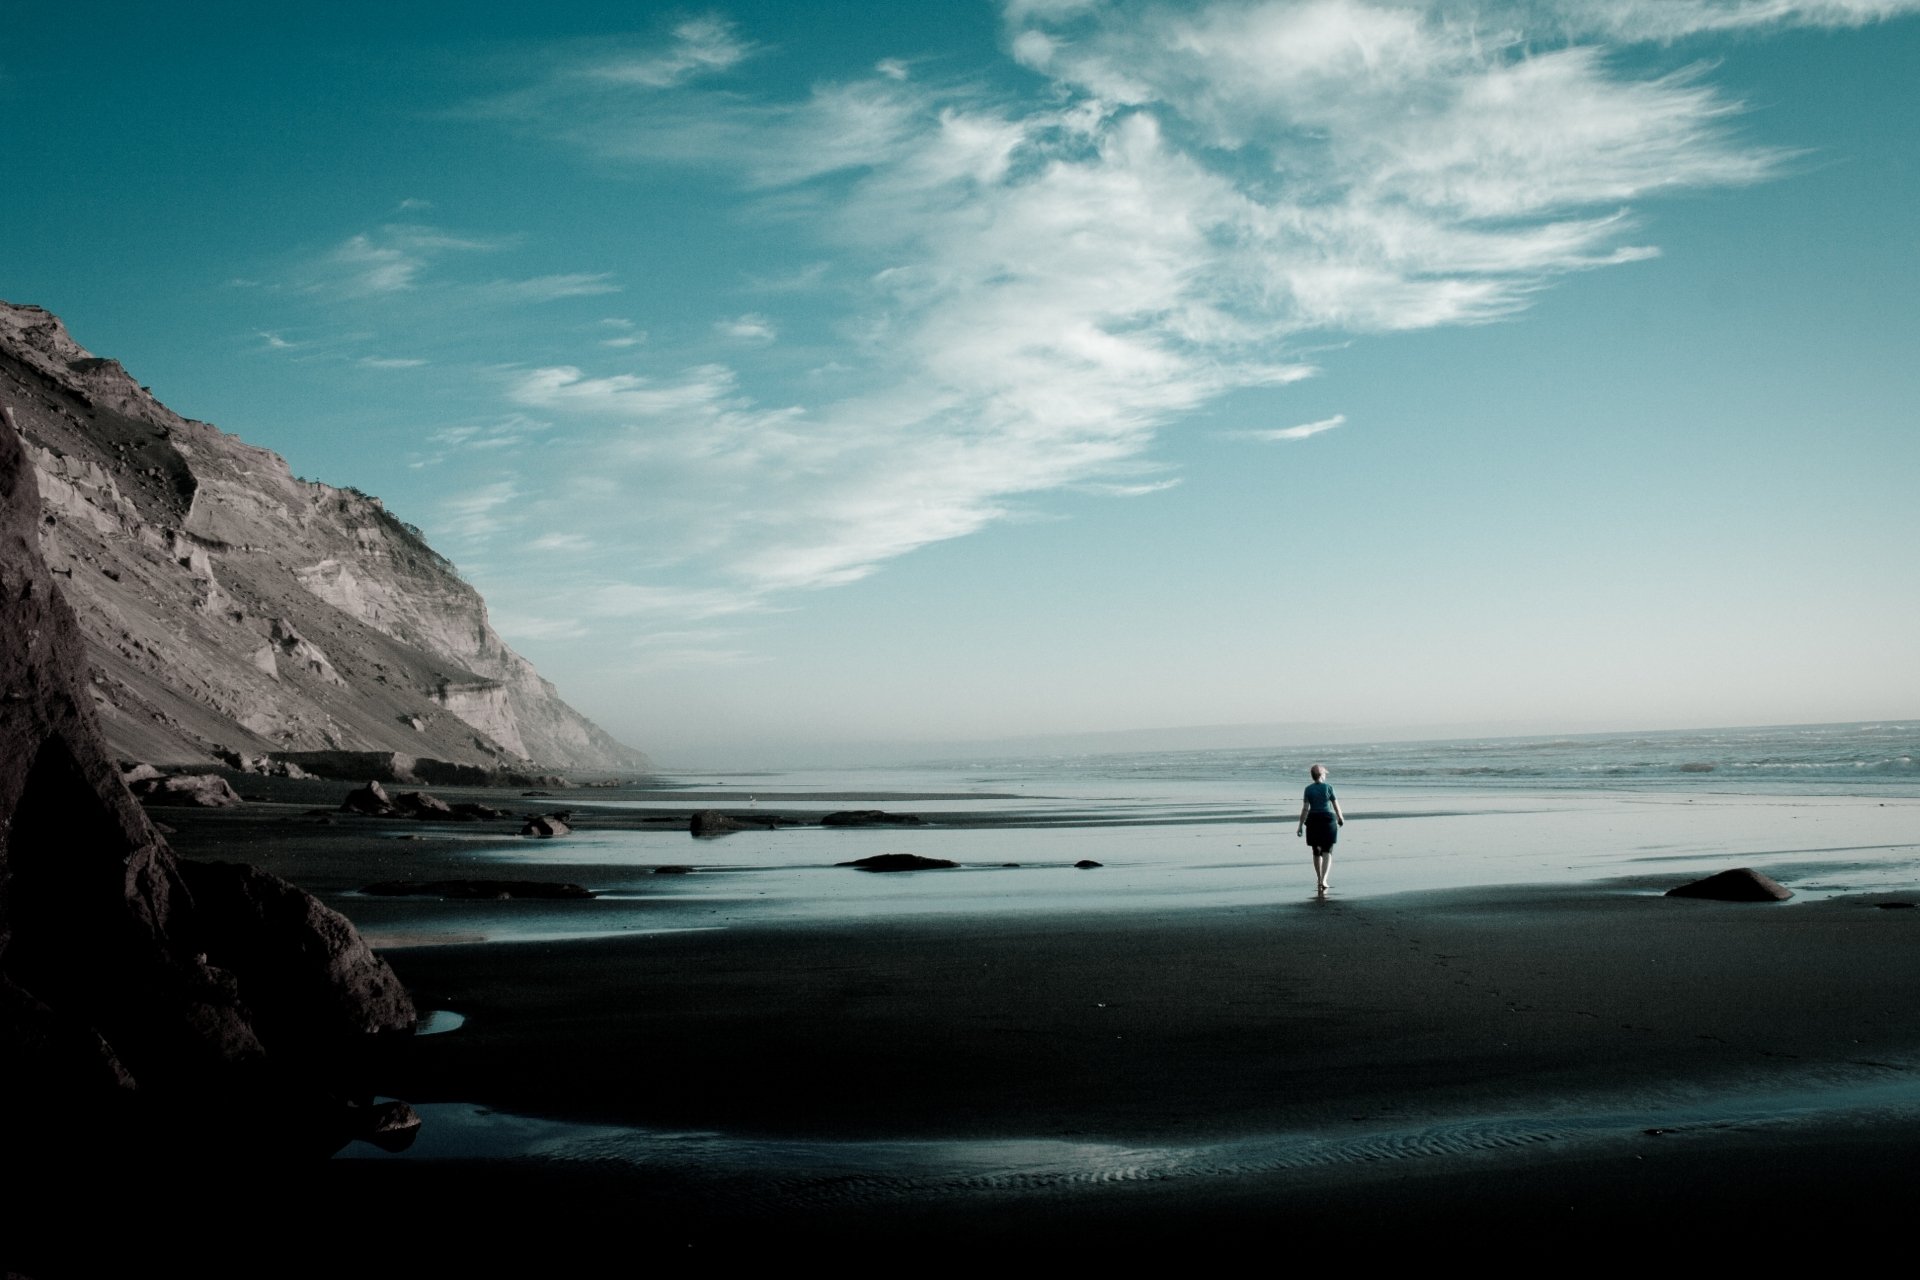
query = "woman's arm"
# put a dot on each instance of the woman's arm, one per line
(1338, 816)
(1303, 818)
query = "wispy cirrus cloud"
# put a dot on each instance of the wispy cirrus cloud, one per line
(1301, 432)
(1029, 288)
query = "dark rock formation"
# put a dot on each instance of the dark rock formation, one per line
(477, 889)
(472, 811)
(546, 826)
(140, 994)
(870, 818)
(1087, 864)
(371, 800)
(391, 1126)
(418, 804)
(673, 870)
(711, 822)
(198, 790)
(898, 862)
(227, 604)
(1742, 884)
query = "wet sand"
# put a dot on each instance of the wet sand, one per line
(1437, 1064)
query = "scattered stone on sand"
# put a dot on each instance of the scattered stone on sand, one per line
(870, 818)
(262, 764)
(898, 862)
(473, 811)
(1741, 884)
(711, 822)
(1088, 864)
(199, 790)
(545, 826)
(497, 889)
(1006, 865)
(673, 871)
(1895, 906)
(371, 800)
(418, 804)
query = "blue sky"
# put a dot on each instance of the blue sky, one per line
(794, 375)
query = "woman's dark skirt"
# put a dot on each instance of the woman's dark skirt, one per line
(1321, 831)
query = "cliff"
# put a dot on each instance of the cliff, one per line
(228, 605)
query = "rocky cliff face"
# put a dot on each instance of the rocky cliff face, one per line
(228, 605)
(142, 995)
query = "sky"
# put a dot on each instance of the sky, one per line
(797, 379)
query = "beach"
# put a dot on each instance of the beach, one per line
(768, 1047)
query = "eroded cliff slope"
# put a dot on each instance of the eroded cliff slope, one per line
(229, 605)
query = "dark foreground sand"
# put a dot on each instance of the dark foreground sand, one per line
(1388, 1075)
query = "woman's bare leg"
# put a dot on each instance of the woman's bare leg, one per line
(1320, 861)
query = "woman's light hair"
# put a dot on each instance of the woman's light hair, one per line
(1318, 772)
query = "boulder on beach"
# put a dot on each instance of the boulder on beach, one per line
(391, 1126)
(1087, 864)
(545, 826)
(196, 790)
(673, 870)
(712, 822)
(418, 804)
(898, 862)
(870, 818)
(1741, 884)
(371, 800)
(472, 811)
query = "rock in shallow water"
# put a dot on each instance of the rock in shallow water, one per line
(898, 862)
(870, 818)
(1741, 884)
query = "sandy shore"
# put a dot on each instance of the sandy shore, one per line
(1442, 1063)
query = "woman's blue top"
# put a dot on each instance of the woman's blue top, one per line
(1319, 797)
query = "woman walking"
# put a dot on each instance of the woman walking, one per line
(1320, 821)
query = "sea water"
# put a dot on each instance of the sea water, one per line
(1827, 810)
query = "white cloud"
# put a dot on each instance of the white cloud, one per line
(390, 362)
(582, 284)
(1300, 432)
(751, 327)
(480, 513)
(561, 542)
(392, 258)
(1673, 19)
(1034, 289)
(699, 46)
(274, 342)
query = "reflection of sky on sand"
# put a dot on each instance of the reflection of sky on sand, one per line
(1187, 851)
